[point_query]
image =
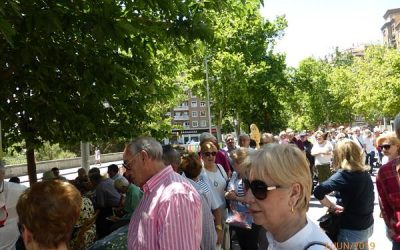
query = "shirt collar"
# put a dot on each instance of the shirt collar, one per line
(153, 182)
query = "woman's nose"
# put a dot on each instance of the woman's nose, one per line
(249, 197)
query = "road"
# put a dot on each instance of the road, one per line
(378, 241)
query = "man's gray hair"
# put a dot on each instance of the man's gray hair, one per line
(148, 144)
(206, 136)
(121, 183)
(171, 156)
(397, 125)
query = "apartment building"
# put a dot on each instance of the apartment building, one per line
(192, 118)
(391, 28)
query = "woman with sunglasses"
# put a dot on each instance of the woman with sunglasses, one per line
(387, 183)
(354, 195)
(278, 195)
(217, 179)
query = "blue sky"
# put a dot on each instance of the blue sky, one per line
(315, 27)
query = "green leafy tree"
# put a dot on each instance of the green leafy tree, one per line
(91, 70)
(245, 73)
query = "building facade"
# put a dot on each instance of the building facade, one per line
(191, 118)
(391, 28)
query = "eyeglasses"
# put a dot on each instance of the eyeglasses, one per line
(385, 146)
(258, 188)
(126, 164)
(210, 154)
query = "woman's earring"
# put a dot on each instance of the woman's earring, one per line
(292, 210)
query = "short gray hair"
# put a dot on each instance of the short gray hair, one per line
(206, 136)
(148, 144)
(121, 183)
(397, 125)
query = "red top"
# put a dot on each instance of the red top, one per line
(388, 185)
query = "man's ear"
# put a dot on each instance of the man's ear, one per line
(144, 155)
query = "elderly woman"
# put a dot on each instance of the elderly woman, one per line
(279, 194)
(387, 183)
(48, 227)
(191, 167)
(354, 195)
(217, 178)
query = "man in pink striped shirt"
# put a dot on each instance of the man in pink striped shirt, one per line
(169, 214)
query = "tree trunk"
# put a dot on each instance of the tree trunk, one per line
(30, 159)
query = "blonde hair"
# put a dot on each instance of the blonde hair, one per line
(391, 137)
(348, 155)
(207, 145)
(285, 164)
(241, 157)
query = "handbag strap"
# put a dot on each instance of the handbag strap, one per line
(313, 243)
(219, 168)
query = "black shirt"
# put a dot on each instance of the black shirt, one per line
(355, 192)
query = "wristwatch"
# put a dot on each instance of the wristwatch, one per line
(218, 227)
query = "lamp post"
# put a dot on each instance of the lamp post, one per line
(208, 96)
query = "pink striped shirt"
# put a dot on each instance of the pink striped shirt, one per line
(168, 216)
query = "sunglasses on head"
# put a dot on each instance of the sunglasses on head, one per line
(385, 146)
(258, 188)
(210, 153)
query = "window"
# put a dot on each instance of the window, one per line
(194, 104)
(203, 123)
(194, 113)
(202, 113)
(195, 124)
(202, 104)
(186, 124)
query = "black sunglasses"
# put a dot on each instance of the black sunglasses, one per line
(385, 146)
(258, 188)
(125, 164)
(210, 153)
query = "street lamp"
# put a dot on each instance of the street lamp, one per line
(208, 96)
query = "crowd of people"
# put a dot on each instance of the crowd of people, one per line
(256, 193)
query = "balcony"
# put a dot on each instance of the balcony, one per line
(181, 118)
(181, 108)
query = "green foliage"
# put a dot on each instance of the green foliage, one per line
(93, 70)
(84, 70)
(245, 74)
(334, 91)
(52, 152)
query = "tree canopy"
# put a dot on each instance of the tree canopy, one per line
(87, 70)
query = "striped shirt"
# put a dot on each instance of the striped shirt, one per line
(209, 235)
(168, 216)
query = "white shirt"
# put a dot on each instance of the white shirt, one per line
(321, 159)
(311, 232)
(9, 233)
(369, 144)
